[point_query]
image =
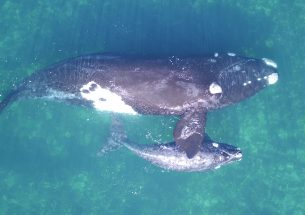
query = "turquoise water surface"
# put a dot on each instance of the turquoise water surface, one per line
(48, 150)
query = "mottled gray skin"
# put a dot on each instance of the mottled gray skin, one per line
(167, 86)
(169, 156)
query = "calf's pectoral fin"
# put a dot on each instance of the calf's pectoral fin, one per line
(189, 132)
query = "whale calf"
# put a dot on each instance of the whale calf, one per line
(211, 155)
(185, 86)
(169, 156)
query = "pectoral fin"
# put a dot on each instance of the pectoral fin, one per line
(189, 132)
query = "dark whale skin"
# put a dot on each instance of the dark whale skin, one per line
(185, 86)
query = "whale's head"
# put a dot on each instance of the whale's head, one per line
(223, 153)
(240, 78)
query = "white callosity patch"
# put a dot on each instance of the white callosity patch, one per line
(239, 155)
(216, 145)
(215, 88)
(269, 62)
(105, 100)
(231, 54)
(272, 79)
(216, 54)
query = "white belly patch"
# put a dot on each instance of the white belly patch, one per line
(105, 100)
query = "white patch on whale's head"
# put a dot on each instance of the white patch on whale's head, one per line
(270, 62)
(273, 78)
(216, 145)
(104, 100)
(215, 88)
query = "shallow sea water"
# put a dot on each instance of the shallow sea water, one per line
(48, 150)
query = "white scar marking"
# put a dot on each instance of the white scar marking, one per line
(104, 99)
(215, 88)
(270, 62)
(216, 145)
(231, 54)
(272, 79)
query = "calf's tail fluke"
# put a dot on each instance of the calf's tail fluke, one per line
(9, 98)
(116, 139)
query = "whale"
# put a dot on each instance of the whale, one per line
(211, 155)
(184, 86)
(168, 156)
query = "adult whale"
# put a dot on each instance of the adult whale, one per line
(184, 86)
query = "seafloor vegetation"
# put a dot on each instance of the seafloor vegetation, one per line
(48, 151)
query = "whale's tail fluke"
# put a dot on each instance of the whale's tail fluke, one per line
(9, 98)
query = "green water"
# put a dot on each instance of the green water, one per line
(48, 151)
